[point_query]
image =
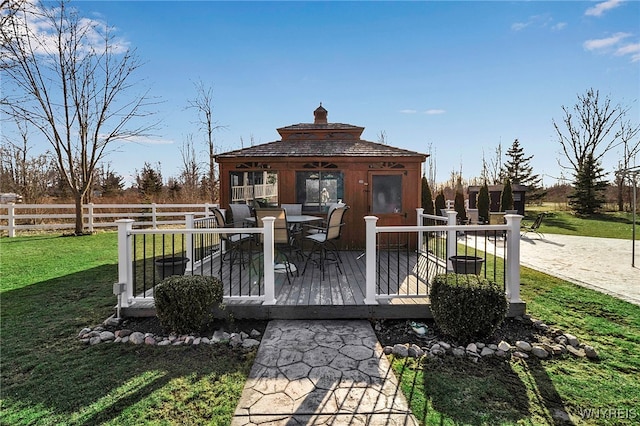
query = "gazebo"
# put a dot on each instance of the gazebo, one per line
(320, 163)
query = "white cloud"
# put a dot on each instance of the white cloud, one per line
(601, 8)
(147, 140)
(93, 31)
(539, 21)
(519, 26)
(408, 111)
(614, 44)
(434, 111)
(630, 49)
(604, 43)
(559, 26)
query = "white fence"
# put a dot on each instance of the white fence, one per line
(30, 217)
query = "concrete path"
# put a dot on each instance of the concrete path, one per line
(602, 264)
(321, 373)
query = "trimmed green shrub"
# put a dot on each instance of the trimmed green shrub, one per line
(506, 196)
(184, 303)
(467, 307)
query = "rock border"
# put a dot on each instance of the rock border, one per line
(555, 343)
(100, 334)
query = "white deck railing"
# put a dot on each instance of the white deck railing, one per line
(125, 288)
(512, 247)
(29, 217)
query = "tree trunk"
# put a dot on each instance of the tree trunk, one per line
(79, 214)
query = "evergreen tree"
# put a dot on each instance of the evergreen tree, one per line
(483, 203)
(506, 197)
(440, 203)
(458, 202)
(520, 172)
(588, 188)
(427, 198)
(149, 181)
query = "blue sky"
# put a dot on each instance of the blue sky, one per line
(460, 77)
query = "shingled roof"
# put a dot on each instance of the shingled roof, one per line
(321, 139)
(321, 148)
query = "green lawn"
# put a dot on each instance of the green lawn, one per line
(604, 225)
(52, 287)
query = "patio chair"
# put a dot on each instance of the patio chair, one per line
(324, 240)
(234, 242)
(534, 226)
(281, 238)
(239, 212)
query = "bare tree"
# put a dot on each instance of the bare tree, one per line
(68, 76)
(203, 104)
(190, 171)
(591, 131)
(491, 169)
(21, 172)
(630, 149)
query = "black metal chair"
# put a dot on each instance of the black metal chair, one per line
(324, 240)
(234, 242)
(281, 238)
(534, 226)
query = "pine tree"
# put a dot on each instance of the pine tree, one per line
(458, 202)
(440, 203)
(520, 172)
(588, 188)
(506, 197)
(427, 198)
(483, 203)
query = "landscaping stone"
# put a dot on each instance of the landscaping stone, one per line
(572, 340)
(590, 352)
(523, 346)
(539, 352)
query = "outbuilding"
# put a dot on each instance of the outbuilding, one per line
(320, 163)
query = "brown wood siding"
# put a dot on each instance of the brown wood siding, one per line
(356, 195)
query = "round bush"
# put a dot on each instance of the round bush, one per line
(185, 303)
(467, 307)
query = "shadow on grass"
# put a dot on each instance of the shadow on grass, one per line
(488, 392)
(476, 393)
(49, 376)
(558, 222)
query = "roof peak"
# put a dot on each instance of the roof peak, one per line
(320, 115)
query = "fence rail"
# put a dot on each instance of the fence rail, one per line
(30, 217)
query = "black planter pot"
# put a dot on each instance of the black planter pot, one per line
(466, 264)
(167, 266)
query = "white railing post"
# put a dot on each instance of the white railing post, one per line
(452, 240)
(370, 282)
(269, 260)
(90, 216)
(512, 273)
(419, 222)
(154, 219)
(190, 223)
(11, 220)
(125, 270)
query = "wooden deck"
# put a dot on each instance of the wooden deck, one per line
(309, 296)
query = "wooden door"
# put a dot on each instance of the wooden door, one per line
(386, 198)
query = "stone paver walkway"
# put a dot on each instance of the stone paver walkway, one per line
(321, 373)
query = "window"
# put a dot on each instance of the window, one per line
(261, 186)
(387, 194)
(317, 190)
